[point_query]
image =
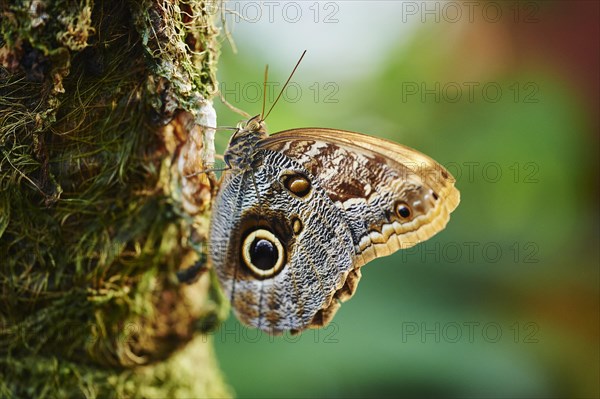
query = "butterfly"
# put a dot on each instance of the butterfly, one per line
(299, 212)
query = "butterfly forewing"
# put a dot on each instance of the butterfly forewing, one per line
(393, 196)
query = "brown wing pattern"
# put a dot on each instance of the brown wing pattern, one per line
(393, 196)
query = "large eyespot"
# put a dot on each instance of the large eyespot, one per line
(297, 184)
(263, 253)
(403, 211)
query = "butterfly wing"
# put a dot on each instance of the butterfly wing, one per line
(281, 249)
(393, 196)
(289, 236)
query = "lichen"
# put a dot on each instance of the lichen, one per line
(92, 230)
(77, 28)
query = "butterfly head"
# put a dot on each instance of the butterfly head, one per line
(254, 124)
(254, 128)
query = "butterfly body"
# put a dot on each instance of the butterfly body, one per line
(300, 211)
(240, 152)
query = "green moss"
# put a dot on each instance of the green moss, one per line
(53, 378)
(89, 237)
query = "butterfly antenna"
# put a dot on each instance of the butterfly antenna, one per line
(265, 89)
(284, 86)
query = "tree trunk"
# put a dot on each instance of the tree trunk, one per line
(103, 108)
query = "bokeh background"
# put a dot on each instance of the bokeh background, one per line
(504, 301)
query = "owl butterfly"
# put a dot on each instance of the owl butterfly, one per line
(299, 212)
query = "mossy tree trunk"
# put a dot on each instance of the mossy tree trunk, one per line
(102, 105)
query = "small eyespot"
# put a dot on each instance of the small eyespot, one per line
(297, 184)
(434, 194)
(402, 210)
(297, 225)
(263, 253)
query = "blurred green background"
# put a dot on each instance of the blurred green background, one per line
(504, 301)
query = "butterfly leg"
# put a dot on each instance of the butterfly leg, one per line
(191, 274)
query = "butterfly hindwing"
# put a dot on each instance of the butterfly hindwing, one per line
(279, 202)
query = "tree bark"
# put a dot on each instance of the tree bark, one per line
(103, 108)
